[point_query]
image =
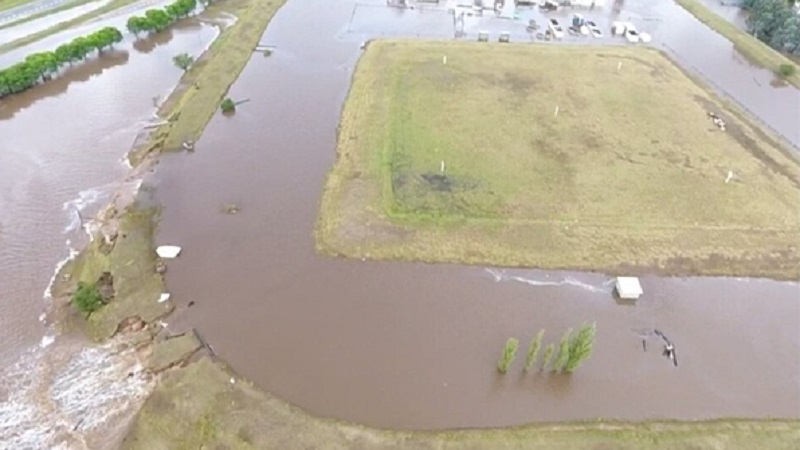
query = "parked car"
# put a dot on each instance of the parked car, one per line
(555, 29)
(594, 30)
(632, 35)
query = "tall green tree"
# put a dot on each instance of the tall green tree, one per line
(183, 61)
(158, 19)
(533, 350)
(580, 347)
(563, 352)
(509, 353)
(548, 355)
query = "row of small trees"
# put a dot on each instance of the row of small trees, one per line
(160, 19)
(44, 65)
(776, 23)
(570, 353)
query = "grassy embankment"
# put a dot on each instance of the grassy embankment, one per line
(57, 28)
(628, 176)
(132, 259)
(753, 49)
(203, 87)
(198, 407)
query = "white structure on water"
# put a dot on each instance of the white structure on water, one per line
(629, 288)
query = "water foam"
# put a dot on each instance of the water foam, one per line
(59, 393)
(85, 198)
(605, 287)
(48, 293)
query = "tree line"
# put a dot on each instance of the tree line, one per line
(567, 356)
(776, 23)
(44, 65)
(160, 19)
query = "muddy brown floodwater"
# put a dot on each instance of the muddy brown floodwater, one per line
(62, 146)
(405, 345)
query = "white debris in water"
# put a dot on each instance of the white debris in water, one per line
(605, 288)
(164, 297)
(168, 251)
(46, 341)
(52, 389)
(85, 198)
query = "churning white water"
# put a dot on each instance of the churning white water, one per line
(63, 391)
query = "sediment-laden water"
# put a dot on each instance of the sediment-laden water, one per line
(62, 153)
(391, 344)
(404, 345)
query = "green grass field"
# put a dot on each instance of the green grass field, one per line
(753, 49)
(629, 175)
(198, 407)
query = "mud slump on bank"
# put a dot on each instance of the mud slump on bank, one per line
(404, 345)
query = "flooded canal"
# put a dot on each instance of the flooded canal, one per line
(62, 147)
(404, 345)
(397, 345)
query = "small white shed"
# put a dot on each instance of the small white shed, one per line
(629, 288)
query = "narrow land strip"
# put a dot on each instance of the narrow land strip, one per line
(203, 87)
(753, 49)
(205, 406)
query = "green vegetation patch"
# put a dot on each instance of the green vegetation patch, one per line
(555, 157)
(199, 407)
(204, 85)
(753, 49)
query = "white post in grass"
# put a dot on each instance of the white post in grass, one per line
(556, 112)
(441, 168)
(444, 59)
(619, 66)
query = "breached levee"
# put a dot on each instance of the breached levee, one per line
(72, 394)
(62, 396)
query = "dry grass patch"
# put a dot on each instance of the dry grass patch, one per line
(629, 175)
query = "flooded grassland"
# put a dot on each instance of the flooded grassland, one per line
(589, 158)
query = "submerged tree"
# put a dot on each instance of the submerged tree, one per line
(228, 106)
(563, 352)
(533, 350)
(580, 347)
(183, 61)
(509, 353)
(548, 355)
